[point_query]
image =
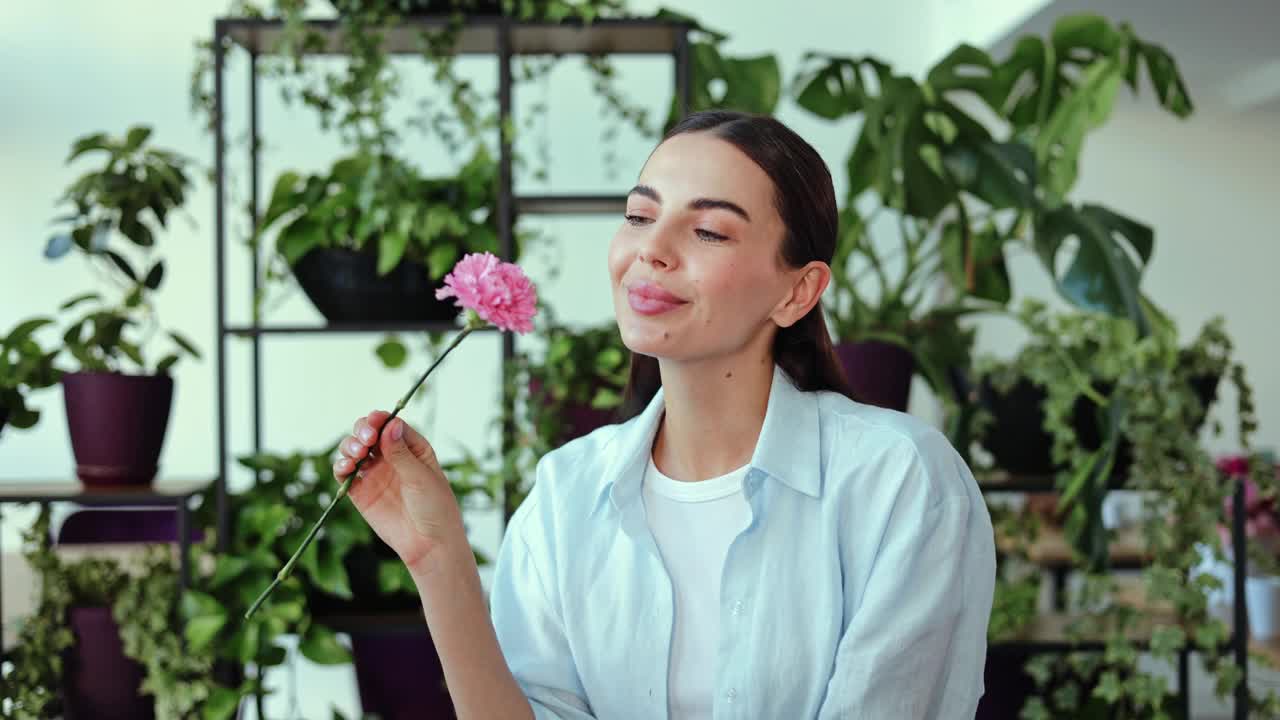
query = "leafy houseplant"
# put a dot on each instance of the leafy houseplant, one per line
(24, 368)
(81, 602)
(1145, 396)
(371, 240)
(118, 420)
(964, 190)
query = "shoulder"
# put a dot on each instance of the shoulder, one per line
(567, 481)
(866, 446)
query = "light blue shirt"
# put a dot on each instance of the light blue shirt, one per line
(860, 589)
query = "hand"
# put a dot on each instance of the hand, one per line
(401, 490)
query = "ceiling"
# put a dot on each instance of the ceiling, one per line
(1228, 50)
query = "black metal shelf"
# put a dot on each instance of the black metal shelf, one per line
(344, 329)
(571, 204)
(479, 36)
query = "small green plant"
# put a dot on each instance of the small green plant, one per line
(25, 367)
(131, 195)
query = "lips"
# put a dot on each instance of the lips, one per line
(651, 299)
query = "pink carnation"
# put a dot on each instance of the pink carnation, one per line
(497, 291)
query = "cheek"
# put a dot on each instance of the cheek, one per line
(617, 259)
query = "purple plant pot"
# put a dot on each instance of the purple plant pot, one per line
(117, 424)
(579, 419)
(879, 372)
(399, 675)
(100, 681)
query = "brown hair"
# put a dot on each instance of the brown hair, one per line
(806, 201)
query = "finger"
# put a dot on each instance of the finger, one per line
(405, 447)
(366, 428)
(353, 448)
(342, 468)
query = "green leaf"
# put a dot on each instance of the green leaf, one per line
(964, 68)
(155, 275)
(392, 352)
(332, 576)
(96, 141)
(165, 364)
(833, 90)
(184, 343)
(136, 137)
(24, 330)
(394, 577)
(391, 247)
(1001, 174)
(441, 260)
(1102, 275)
(221, 704)
(990, 279)
(57, 246)
(606, 399)
(299, 238)
(135, 231)
(133, 352)
(1061, 138)
(243, 644)
(320, 645)
(121, 263)
(752, 84)
(84, 297)
(283, 198)
(228, 568)
(608, 360)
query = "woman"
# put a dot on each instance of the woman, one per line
(752, 542)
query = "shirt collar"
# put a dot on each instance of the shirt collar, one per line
(788, 449)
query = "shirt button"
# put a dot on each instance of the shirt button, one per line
(737, 608)
(731, 695)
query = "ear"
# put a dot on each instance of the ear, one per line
(809, 282)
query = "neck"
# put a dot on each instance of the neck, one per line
(713, 414)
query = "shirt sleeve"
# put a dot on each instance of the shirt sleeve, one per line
(530, 630)
(916, 646)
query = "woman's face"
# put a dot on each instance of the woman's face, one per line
(695, 267)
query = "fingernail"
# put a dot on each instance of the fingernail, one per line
(397, 429)
(366, 434)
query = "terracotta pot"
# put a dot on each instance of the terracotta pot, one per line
(879, 372)
(117, 424)
(100, 681)
(345, 287)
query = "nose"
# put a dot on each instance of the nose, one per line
(657, 249)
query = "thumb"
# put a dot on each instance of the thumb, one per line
(406, 448)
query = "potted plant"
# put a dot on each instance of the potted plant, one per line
(577, 385)
(371, 240)
(1144, 396)
(347, 572)
(964, 186)
(117, 420)
(1262, 536)
(24, 368)
(101, 642)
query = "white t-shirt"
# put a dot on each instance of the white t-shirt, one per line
(694, 524)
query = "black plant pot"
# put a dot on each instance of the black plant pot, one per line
(117, 424)
(426, 7)
(1019, 444)
(345, 287)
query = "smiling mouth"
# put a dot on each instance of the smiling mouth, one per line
(651, 300)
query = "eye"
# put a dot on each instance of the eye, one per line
(710, 236)
(637, 219)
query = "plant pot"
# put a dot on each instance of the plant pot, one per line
(1262, 602)
(345, 287)
(117, 424)
(4, 415)
(99, 681)
(879, 372)
(361, 564)
(428, 7)
(1020, 445)
(399, 675)
(578, 419)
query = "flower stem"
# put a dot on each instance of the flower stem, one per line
(472, 324)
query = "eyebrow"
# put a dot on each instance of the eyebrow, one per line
(698, 204)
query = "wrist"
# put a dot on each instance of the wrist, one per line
(450, 555)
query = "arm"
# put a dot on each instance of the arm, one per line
(916, 647)
(530, 627)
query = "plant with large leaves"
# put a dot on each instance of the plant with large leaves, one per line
(965, 188)
(131, 195)
(24, 368)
